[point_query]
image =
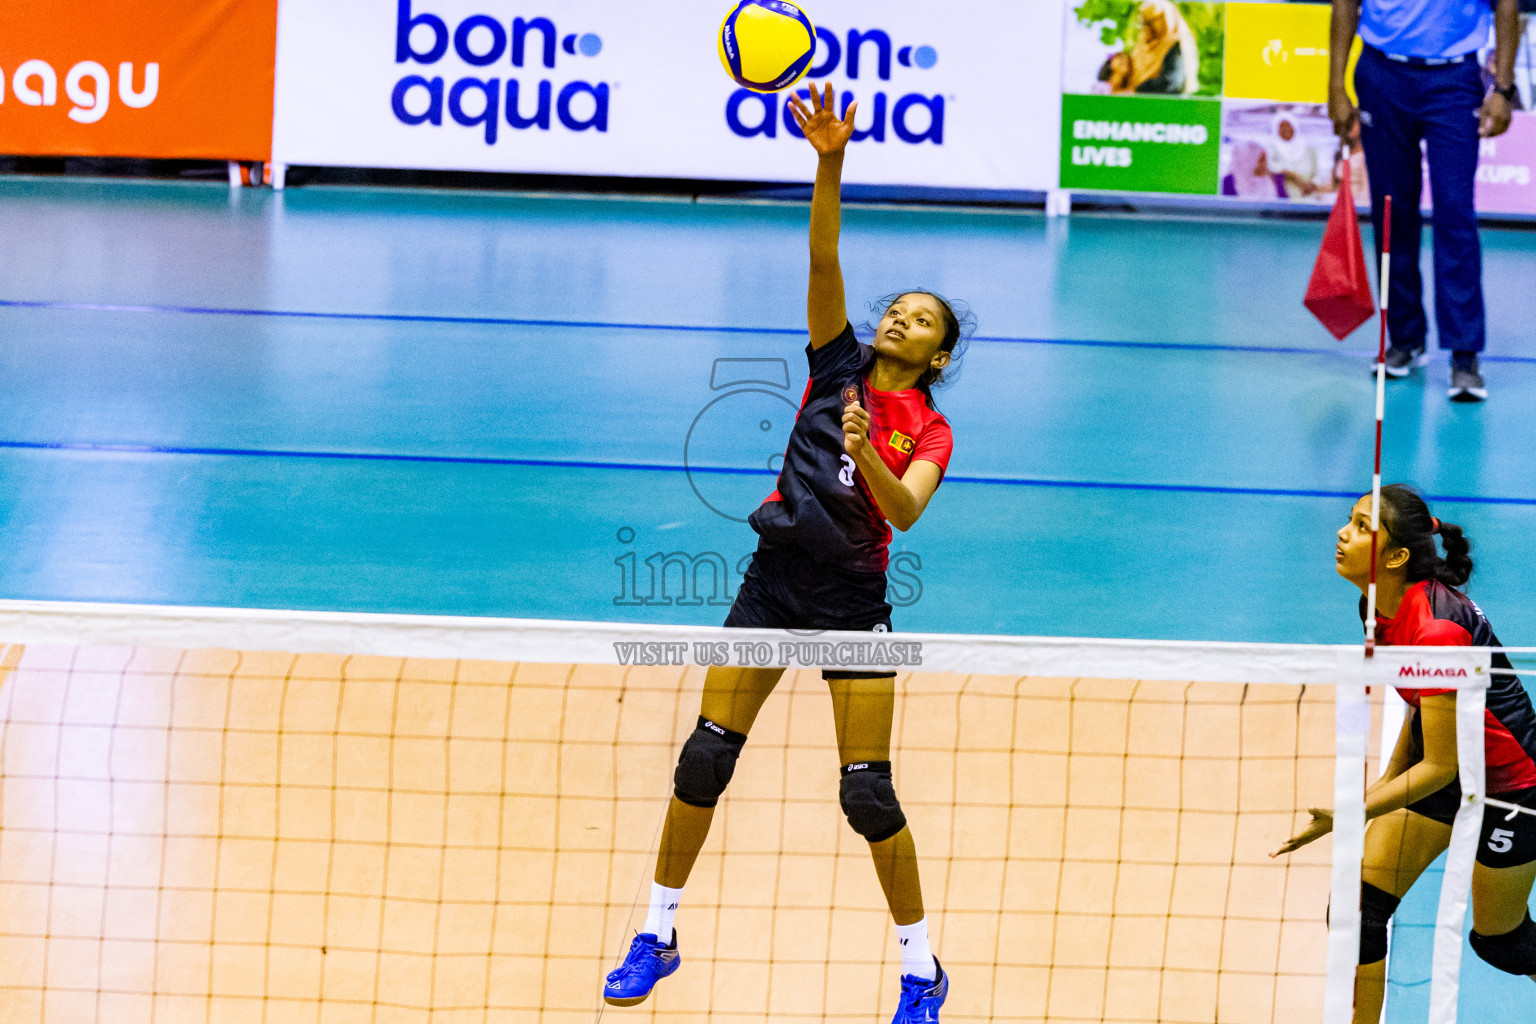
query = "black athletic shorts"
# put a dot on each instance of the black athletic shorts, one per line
(785, 588)
(1506, 842)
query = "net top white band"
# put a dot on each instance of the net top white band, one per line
(564, 642)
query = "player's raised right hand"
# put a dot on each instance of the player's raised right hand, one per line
(823, 129)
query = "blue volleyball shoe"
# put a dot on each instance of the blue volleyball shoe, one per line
(647, 963)
(921, 998)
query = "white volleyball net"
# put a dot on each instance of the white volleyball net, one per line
(249, 816)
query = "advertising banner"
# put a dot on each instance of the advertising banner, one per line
(1279, 52)
(140, 78)
(1277, 142)
(1506, 165)
(1131, 144)
(958, 96)
(1230, 99)
(1138, 106)
(1152, 48)
(1286, 151)
(1506, 169)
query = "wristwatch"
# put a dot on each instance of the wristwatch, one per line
(1509, 92)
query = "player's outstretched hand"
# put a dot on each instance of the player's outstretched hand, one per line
(855, 428)
(820, 126)
(1320, 825)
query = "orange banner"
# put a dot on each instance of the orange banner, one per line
(144, 78)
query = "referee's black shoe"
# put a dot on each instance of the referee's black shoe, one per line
(1401, 361)
(1466, 382)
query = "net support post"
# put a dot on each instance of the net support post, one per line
(1461, 855)
(1352, 726)
(1058, 202)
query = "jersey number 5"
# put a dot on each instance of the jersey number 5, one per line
(846, 473)
(1501, 840)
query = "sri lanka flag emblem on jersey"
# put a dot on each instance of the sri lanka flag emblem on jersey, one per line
(901, 442)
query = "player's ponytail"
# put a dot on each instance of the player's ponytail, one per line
(1458, 553)
(1409, 524)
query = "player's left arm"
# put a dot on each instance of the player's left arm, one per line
(901, 500)
(1436, 765)
(1406, 753)
(1495, 115)
(1435, 768)
(1430, 774)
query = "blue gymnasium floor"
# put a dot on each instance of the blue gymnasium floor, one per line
(481, 404)
(427, 402)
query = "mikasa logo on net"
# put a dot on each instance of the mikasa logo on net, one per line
(1418, 671)
(484, 101)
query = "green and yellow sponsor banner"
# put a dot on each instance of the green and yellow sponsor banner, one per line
(1140, 143)
(1280, 52)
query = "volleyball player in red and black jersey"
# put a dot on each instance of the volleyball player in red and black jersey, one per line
(867, 452)
(1412, 806)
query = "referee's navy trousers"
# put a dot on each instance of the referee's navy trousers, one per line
(1401, 104)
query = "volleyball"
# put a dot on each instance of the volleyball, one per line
(766, 45)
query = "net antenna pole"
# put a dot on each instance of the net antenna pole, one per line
(1352, 716)
(1381, 402)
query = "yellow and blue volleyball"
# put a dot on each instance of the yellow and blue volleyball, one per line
(766, 45)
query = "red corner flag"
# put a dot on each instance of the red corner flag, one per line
(1339, 293)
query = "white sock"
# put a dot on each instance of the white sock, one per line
(916, 955)
(664, 901)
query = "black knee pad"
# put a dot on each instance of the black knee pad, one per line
(1376, 908)
(706, 765)
(1513, 952)
(869, 800)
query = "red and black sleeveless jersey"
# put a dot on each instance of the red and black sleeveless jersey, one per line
(822, 505)
(1435, 615)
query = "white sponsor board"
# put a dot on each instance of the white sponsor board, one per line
(960, 95)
